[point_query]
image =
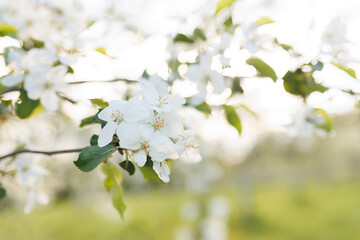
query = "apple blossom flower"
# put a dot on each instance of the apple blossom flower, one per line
(44, 83)
(31, 174)
(160, 102)
(121, 117)
(203, 74)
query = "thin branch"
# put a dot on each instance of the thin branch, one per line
(13, 89)
(105, 81)
(66, 98)
(16, 89)
(49, 153)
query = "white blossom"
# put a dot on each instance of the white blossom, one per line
(159, 101)
(203, 74)
(44, 83)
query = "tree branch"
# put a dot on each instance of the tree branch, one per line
(16, 89)
(49, 153)
(12, 89)
(105, 81)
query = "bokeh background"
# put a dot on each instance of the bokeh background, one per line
(265, 184)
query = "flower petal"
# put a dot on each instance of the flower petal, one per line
(106, 134)
(174, 102)
(56, 74)
(217, 81)
(149, 92)
(49, 100)
(129, 135)
(140, 158)
(138, 111)
(162, 170)
(12, 79)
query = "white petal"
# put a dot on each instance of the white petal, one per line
(12, 79)
(129, 135)
(162, 148)
(147, 131)
(162, 171)
(120, 105)
(105, 114)
(140, 158)
(217, 81)
(174, 102)
(49, 100)
(195, 73)
(34, 83)
(138, 111)
(149, 91)
(56, 74)
(106, 134)
(160, 85)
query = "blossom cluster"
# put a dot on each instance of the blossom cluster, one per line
(41, 71)
(30, 174)
(148, 126)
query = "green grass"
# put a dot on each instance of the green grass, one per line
(319, 212)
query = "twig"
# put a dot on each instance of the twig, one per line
(49, 153)
(106, 81)
(66, 98)
(13, 89)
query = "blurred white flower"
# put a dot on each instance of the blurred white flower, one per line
(30, 174)
(44, 83)
(306, 122)
(203, 74)
(160, 101)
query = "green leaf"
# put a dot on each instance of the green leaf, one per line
(145, 75)
(98, 120)
(2, 192)
(263, 21)
(101, 50)
(348, 70)
(148, 172)
(113, 176)
(93, 119)
(301, 83)
(128, 166)
(99, 102)
(286, 47)
(232, 117)
(92, 156)
(118, 200)
(33, 43)
(7, 30)
(94, 140)
(223, 4)
(236, 88)
(205, 108)
(70, 70)
(87, 121)
(263, 69)
(183, 38)
(327, 125)
(228, 23)
(199, 34)
(249, 110)
(26, 106)
(318, 66)
(112, 183)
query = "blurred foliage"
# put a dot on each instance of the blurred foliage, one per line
(277, 212)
